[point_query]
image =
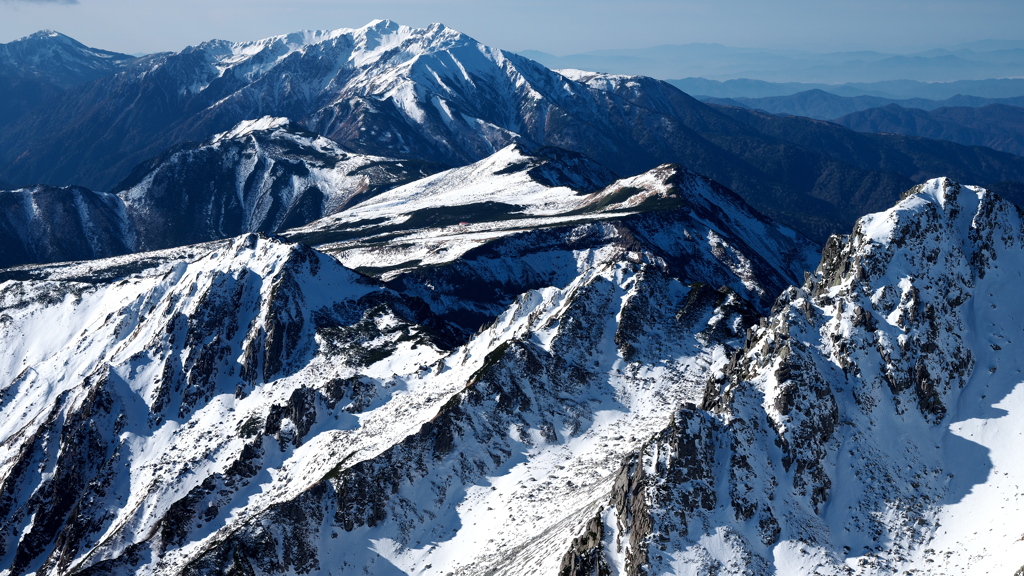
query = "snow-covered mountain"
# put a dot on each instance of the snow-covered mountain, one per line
(524, 364)
(433, 94)
(516, 221)
(560, 374)
(57, 60)
(437, 95)
(253, 405)
(263, 175)
(870, 425)
(385, 89)
(42, 66)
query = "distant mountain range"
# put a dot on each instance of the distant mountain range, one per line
(718, 62)
(997, 126)
(439, 96)
(827, 106)
(968, 120)
(894, 90)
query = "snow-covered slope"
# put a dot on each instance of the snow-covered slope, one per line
(871, 424)
(263, 175)
(549, 398)
(517, 221)
(143, 386)
(252, 405)
(544, 182)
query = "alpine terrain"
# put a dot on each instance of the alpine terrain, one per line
(389, 301)
(254, 404)
(438, 95)
(263, 175)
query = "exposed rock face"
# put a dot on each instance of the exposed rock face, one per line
(586, 555)
(841, 439)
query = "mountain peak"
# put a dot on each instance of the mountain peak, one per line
(356, 47)
(47, 34)
(937, 190)
(381, 24)
(956, 205)
(246, 127)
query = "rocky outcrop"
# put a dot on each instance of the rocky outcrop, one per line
(836, 409)
(586, 552)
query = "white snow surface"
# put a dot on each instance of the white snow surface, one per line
(479, 182)
(712, 213)
(247, 127)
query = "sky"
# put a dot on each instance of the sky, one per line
(555, 26)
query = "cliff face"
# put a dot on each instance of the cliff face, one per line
(867, 426)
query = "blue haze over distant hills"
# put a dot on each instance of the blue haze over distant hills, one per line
(963, 69)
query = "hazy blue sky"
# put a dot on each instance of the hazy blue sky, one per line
(556, 26)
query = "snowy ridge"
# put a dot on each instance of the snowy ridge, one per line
(501, 177)
(263, 175)
(366, 45)
(252, 403)
(439, 219)
(867, 424)
(246, 127)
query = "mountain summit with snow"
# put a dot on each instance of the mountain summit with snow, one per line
(387, 300)
(869, 425)
(434, 94)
